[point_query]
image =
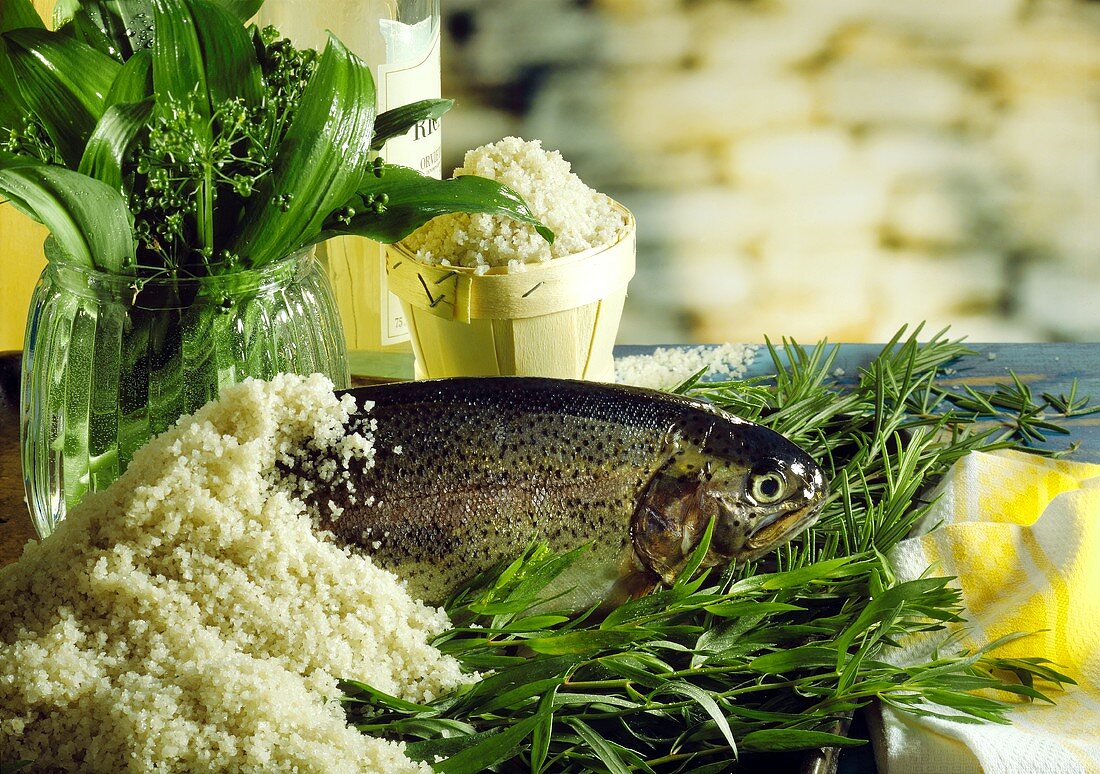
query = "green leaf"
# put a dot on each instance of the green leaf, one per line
(130, 24)
(414, 199)
(84, 28)
(88, 220)
(353, 687)
(106, 16)
(134, 82)
(202, 56)
(19, 14)
(10, 767)
(884, 607)
(111, 141)
(543, 731)
(526, 672)
(242, 9)
(805, 657)
(750, 607)
(584, 641)
(64, 82)
(396, 122)
(320, 163)
(14, 15)
(786, 739)
(824, 572)
(604, 751)
(707, 702)
(473, 754)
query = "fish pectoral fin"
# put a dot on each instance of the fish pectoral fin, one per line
(631, 586)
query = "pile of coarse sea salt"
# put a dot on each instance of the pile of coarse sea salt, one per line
(668, 367)
(188, 618)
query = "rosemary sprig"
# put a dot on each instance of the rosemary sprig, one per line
(766, 658)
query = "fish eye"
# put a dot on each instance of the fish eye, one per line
(768, 488)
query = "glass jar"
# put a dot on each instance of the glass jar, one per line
(110, 361)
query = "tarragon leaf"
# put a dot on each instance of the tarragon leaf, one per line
(783, 739)
(413, 199)
(475, 753)
(709, 705)
(64, 82)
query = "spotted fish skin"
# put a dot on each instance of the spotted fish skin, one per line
(468, 471)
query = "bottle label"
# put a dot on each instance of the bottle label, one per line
(400, 84)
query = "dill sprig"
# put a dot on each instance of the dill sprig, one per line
(763, 659)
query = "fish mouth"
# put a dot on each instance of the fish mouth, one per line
(781, 529)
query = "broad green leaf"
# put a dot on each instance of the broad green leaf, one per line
(396, 122)
(202, 55)
(14, 15)
(64, 82)
(414, 199)
(320, 163)
(19, 14)
(242, 9)
(134, 82)
(127, 24)
(88, 220)
(83, 27)
(781, 739)
(111, 141)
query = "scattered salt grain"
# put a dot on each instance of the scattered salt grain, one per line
(667, 367)
(189, 618)
(580, 217)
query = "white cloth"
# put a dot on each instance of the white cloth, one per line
(1022, 534)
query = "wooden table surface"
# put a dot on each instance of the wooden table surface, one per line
(1043, 367)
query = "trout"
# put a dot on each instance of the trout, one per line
(468, 471)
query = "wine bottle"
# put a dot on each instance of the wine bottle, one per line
(399, 39)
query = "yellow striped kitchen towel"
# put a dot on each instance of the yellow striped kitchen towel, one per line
(1022, 534)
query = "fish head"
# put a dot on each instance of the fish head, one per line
(758, 488)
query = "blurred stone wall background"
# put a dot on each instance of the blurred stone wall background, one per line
(814, 167)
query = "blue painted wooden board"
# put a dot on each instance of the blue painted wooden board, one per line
(1043, 367)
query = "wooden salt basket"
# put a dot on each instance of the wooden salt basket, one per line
(557, 319)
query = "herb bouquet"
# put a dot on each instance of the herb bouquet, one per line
(185, 163)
